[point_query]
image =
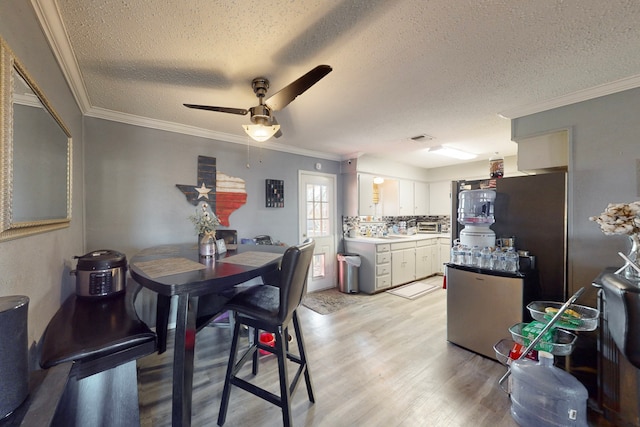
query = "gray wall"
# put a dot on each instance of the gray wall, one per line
(132, 201)
(602, 169)
(38, 266)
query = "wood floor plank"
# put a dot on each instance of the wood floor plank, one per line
(383, 361)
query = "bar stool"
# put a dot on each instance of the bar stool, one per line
(272, 308)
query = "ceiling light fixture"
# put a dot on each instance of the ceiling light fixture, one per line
(452, 152)
(261, 132)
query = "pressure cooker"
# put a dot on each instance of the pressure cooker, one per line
(100, 273)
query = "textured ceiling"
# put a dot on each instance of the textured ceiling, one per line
(401, 68)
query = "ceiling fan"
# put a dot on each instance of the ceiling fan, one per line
(264, 124)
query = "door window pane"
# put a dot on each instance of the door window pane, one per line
(318, 266)
(317, 210)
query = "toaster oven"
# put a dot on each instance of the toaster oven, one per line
(429, 227)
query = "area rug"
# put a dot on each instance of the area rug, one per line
(328, 301)
(413, 290)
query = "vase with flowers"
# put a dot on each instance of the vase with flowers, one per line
(205, 223)
(623, 219)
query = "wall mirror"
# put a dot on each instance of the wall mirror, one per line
(35, 154)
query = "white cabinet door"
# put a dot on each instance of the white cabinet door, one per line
(365, 195)
(424, 266)
(421, 198)
(403, 266)
(440, 198)
(445, 253)
(406, 198)
(389, 198)
(436, 265)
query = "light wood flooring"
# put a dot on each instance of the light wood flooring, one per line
(383, 361)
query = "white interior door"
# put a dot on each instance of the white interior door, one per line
(318, 215)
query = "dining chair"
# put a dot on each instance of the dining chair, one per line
(272, 308)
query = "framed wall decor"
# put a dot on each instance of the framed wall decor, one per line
(274, 193)
(35, 156)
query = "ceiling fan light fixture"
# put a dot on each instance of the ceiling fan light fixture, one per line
(452, 152)
(260, 132)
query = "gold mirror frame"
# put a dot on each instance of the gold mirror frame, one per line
(9, 227)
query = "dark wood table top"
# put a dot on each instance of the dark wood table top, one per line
(216, 275)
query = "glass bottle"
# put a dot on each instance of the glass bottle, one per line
(485, 257)
(511, 260)
(475, 256)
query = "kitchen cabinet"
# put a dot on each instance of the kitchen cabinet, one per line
(444, 255)
(374, 273)
(424, 257)
(365, 195)
(440, 198)
(387, 197)
(413, 198)
(403, 262)
(405, 197)
(421, 197)
(400, 261)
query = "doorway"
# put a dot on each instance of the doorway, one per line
(317, 215)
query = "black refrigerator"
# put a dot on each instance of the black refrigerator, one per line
(533, 209)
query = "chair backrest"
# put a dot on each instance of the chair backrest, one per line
(293, 277)
(622, 309)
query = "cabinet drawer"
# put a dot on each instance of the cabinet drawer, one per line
(383, 258)
(383, 282)
(383, 248)
(426, 242)
(383, 269)
(403, 245)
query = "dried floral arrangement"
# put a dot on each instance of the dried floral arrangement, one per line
(619, 218)
(204, 220)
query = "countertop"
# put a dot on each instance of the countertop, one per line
(397, 238)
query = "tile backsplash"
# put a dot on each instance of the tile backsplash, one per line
(354, 226)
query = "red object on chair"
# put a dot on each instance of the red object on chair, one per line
(268, 339)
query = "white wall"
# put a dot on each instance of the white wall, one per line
(602, 169)
(38, 266)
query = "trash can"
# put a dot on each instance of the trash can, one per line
(348, 265)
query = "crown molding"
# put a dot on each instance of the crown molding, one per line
(53, 27)
(131, 119)
(56, 34)
(572, 98)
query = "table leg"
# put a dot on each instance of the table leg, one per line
(163, 308)
(185, 342)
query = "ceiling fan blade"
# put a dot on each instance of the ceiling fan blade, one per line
(278, 134)
(239, 111)
(287, 94)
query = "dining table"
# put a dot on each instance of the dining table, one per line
(202, 285)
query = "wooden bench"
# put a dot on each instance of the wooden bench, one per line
(94, 344)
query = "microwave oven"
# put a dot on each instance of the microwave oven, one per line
(429, 227)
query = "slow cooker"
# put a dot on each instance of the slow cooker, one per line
(100, 273)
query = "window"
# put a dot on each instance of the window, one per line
(317, 210)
